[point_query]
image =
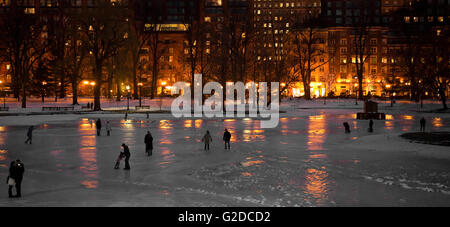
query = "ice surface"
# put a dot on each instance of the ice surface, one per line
(306, 161)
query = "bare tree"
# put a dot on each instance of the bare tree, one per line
(26, 44)
(307, 50)
(105, 31)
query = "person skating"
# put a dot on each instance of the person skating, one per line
(126, 116)
(347, 127)
(127, 154)
(207, 139)
(121, 155)
(423, 122)
(98, 125)
(226, 139)
(148, 143)
(29, 135)
(371, 125)
(108, 128)
(15, 177)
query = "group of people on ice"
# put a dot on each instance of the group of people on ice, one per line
(207, 139)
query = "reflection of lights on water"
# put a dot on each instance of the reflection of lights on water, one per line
(407, 117)
(437, 122)
(316, 132)
(198, 123)
(92, 184)
(188, 123)
(317, 184)
(318, 156)
(251, 163)
(389, 117)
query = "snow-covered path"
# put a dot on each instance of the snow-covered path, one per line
(306, 161)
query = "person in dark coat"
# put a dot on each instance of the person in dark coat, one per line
(207, 139)
(226, 139)
(126, 152)
(30, 135)
(15, 177)
(98, 125)
(347, 127)
(371, 125)
(423, 122)
(148, 143)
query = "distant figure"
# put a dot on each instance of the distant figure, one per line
(347, 127)
(423, 122)
(148, 143)
(127, 154)
(147, 115)
(226, 139)
(121, 155)
(371, 125)
(89, 105)
(29, 135)
(15, 177)
(98, 125)
(92, 105)
(126, 115)
(108, 128)
(207, 139)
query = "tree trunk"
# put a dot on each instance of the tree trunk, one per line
(443, 99)
(135, 85)
(24, 95)
(75, 93)
(307, 89)
(119, 91)
(98, 85)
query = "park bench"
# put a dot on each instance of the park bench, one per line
(4, 108)
(57, 108)
(142, 107)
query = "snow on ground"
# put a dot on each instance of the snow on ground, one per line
(306, 161)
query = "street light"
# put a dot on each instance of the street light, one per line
(140, 94)
(128, 97)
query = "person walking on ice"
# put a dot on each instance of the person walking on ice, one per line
(108, 128)
(347, 127)
(148, 140)
(207, 139)
(98, 125)
(226, 139)
(29, 135)
(15, 177)
(423, 122)
(127, 154)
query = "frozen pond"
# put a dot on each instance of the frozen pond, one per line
(306, 161)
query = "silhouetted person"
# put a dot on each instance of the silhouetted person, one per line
(108, 128)
(148, 116)
(148, 143)
(226, 139)
(98, 125)
(423, 122)
(89, 105)
(207, 139)
(126, 115)
(30, 135)
(92, 105)
(15, 177)
(347, 127)
(371, 125)
(127, 154)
